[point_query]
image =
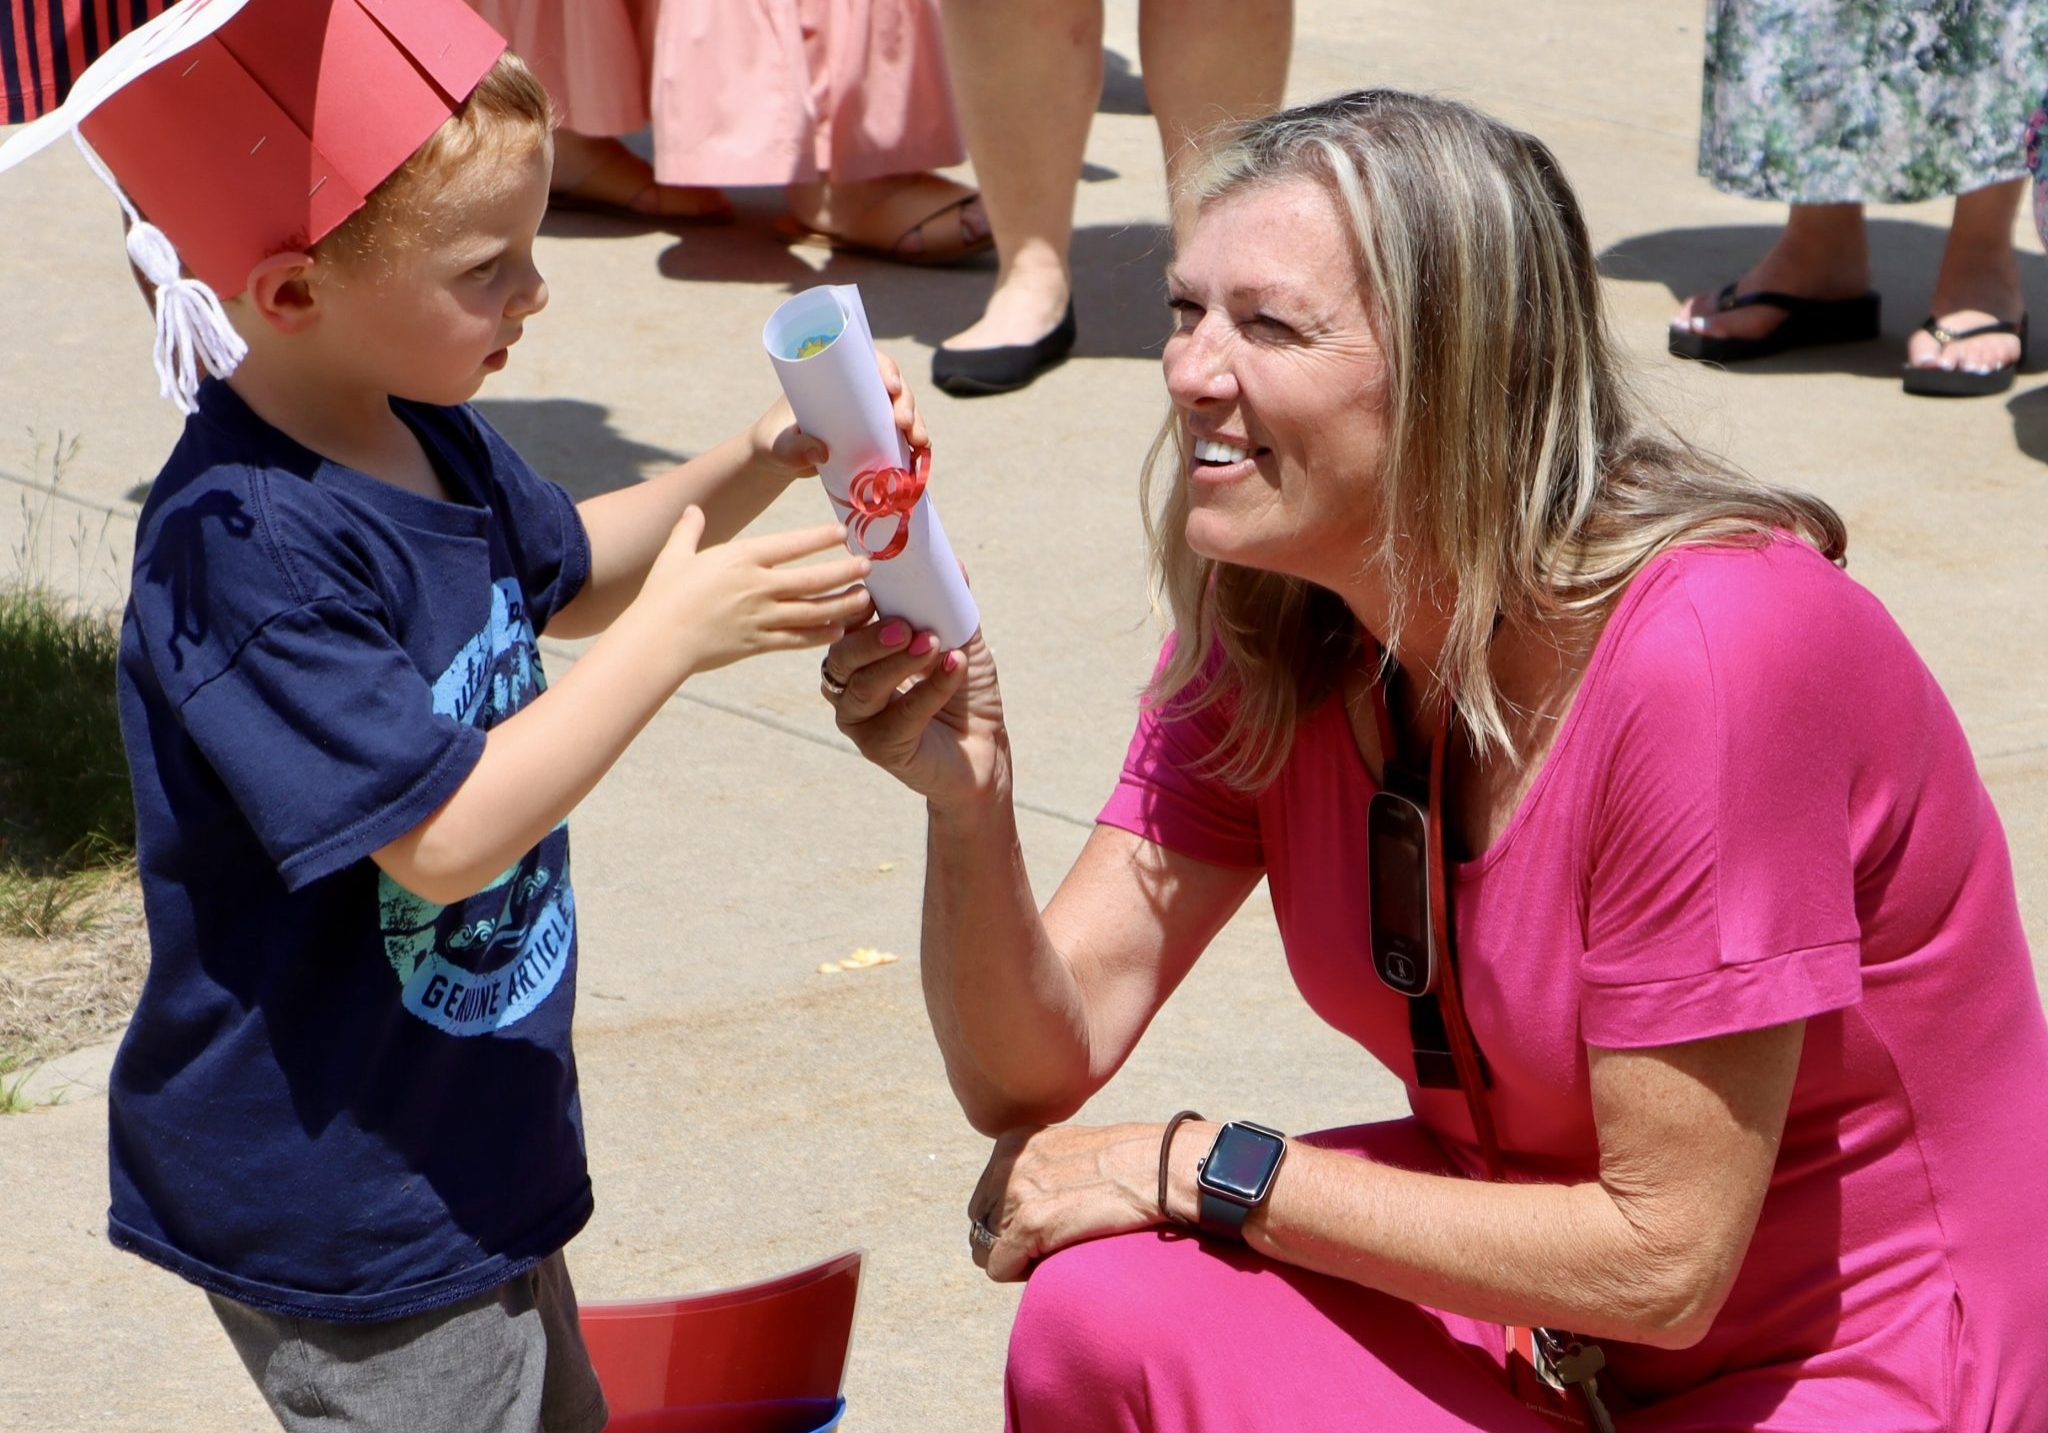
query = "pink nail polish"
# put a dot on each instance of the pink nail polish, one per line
(893, 632)
(924, 643)
(952, 662)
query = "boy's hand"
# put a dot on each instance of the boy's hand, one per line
(723, 603)
(789, 452)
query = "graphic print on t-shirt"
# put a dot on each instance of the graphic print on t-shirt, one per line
(486, 962)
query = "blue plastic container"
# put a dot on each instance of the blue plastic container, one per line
(785, 1416)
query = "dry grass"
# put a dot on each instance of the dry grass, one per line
(79, 983)
(72, 947)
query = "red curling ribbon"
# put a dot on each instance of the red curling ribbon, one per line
(880, 493)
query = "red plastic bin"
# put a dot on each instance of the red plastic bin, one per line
(762, 1358)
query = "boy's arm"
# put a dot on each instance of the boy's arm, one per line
(535, 768)
(698, 610)
(732, 483)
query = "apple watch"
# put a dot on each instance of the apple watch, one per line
(1236, 1175)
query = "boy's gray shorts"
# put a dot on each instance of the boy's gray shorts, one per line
(510, 1360)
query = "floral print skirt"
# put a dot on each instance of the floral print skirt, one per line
(2036, 127)
(1868, 101)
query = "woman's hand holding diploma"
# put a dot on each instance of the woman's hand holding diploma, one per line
(929, 716)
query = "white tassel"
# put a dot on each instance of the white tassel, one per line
(191, 325)
(192, 329)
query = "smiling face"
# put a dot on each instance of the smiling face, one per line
(434, 310)
(1277, 379)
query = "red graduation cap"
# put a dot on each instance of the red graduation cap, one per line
(246, 128)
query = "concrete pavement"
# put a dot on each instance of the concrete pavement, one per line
(745, 1113)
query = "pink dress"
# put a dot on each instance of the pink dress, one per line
(1760, 809)
(748, 91)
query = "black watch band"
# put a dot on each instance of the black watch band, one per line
(1220, 1217)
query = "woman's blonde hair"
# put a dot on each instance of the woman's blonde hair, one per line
(507, 109)
(1515, 469)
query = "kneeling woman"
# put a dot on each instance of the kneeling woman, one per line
(1732, 1066)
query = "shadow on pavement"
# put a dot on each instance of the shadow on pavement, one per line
(1123, 88)
(1904, 256)
(2030, 422)
(1119, 288)
(590, 224)
(573, 443)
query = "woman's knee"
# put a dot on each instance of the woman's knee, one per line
(1095, 1317)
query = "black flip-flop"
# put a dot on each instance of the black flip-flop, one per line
(1960, 382)
(1808, 323)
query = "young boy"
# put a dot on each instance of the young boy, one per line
(346, 1106)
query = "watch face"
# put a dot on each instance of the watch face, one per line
(1242, 1161)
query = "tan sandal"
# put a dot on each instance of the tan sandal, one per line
(928, 212)
(621, 184)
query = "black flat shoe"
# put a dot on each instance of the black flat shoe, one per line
(1808, 323)
(1960, 382)
(972, 372)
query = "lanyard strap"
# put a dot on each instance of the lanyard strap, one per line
(1464, 1051)
(1436, 1022)
(1438, 1018)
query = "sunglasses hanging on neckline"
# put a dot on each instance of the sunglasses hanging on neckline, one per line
(1408, 903)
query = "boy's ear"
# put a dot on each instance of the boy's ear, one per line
(282, 292)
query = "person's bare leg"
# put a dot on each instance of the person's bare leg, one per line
(838, 206)
(1822, 253)
(600, 168)
(1979, 283)
(1207, 61)
(1026, 76)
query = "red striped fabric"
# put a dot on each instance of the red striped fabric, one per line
(46, 44)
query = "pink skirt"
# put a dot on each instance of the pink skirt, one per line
(748, 91)
(593, 56)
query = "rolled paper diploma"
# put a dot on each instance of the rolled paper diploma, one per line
(825, 356)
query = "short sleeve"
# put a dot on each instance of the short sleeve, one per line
(1721, 889)
(1166, 792)
(265, 628)
(324, 733)
(550, 549)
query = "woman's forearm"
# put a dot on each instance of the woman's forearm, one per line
(1567, 1256)
(1645, 1252)
(1005, 1007)
(1530, 1254)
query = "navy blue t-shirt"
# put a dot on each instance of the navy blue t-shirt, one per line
(336, 1099)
